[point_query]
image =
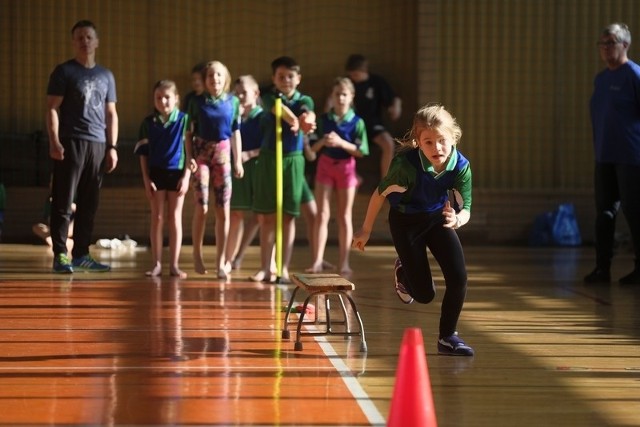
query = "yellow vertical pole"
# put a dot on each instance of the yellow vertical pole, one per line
(279, 189)
(277, 355)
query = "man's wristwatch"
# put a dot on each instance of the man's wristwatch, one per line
(111, 147)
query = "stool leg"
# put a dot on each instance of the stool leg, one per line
(298, 344)
(363, 343)
(327, 313)
(316, 312)
(346, 316)
(285, 330)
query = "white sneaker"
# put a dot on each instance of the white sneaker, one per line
(400, 289)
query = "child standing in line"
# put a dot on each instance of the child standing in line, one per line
(298, 118)
(309, 207)
(163, 153)
(241, 234)
(42, 230)
(197, 85)
(421, 216)
(373, 96)
(344, 138)
(214, 131)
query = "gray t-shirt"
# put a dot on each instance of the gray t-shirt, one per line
(86, 92)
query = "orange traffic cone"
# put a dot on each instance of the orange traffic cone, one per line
(412, 402)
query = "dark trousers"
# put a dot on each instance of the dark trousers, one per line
(78, 177)
(616, 186)
(412, 234)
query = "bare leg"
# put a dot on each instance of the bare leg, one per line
(42, 231)
(197, 235)
(236, 232)
(267, 238)
(251, 229)
(309, 212)
(222, 232)
(288, 238)
(320, 231)
(155, 232)
(344, 215)
(176, 203)
(200, 182)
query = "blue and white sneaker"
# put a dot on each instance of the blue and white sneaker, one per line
(400, 289)
(62, 264)
(454, 346)
(87, 263)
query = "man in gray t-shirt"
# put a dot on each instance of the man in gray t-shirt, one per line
(82, 123)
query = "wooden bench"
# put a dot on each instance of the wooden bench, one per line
(323, 285)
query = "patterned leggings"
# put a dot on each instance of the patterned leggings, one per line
(213, 161)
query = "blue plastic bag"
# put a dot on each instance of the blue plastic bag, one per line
(565, 231)
(541, 232)
(557, 228)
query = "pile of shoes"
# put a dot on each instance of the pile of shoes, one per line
(125, 242)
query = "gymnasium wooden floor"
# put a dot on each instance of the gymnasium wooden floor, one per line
(120, 349)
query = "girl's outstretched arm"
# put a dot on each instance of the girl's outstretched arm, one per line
(361, 237)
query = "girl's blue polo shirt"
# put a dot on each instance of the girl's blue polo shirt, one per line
(214, 118)
(351, 128)
(163, 142)
(251, 130)
(413, 186)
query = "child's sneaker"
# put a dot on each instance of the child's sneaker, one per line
(62, 264)
(87, 263)
(400, 289)
(454, 346)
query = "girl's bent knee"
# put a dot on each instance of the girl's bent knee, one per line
(424, 297)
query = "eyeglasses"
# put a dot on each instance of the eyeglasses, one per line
(609, 43)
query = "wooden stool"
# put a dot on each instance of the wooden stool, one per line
(325, 285)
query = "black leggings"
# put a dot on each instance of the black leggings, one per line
(412, 234)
